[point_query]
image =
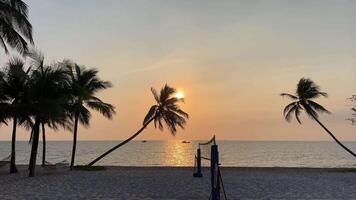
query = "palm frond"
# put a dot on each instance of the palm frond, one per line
(289, 96)
(151, 114)
(317, 107)
(107, 110)
(288, 107)
(155, 94)
(288, 115)
(297, 113)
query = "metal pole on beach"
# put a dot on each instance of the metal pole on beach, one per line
(198, 162)
(214, 165)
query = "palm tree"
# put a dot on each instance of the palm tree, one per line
(306, 91)
(47, 98)
(165, 109)
(15, 88)
(15, 28)
(84, 84)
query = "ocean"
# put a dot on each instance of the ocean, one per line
(175, 153)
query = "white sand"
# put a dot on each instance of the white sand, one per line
(178, 183)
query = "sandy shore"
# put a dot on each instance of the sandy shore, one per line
(178, 183)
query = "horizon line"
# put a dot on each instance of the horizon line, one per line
(233, 140)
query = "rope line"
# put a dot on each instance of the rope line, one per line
(222, 184)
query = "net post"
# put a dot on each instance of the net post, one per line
(214, 166)
(198, 162)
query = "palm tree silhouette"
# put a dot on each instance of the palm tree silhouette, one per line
(15, 88)
(53, 123)
(47, 99)
(14, 25)
(84, 84)
(306, 91)
(165, 109)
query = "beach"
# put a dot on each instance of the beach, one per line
(177, 183)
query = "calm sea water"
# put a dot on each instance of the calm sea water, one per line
(176, 153)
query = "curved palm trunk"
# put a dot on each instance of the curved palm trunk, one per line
(336, 140)
(13, 168)
(74, 140)
(36, 134)
(43, 145)
(119, 145)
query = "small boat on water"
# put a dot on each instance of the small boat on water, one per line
(185, 142)
(143, 141)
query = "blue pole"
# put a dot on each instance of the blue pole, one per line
(214, 165)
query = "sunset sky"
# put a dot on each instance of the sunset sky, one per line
(230, 58)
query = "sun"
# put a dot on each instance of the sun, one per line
(179, 95)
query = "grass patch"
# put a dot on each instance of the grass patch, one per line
(345, 170)
(91, 168)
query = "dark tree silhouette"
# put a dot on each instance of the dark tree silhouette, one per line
(83, 86)
(165, 109)
(306, 91)
(14, 85)
(15, 28)
(47, 99)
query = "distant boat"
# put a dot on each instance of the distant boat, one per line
(185, 142)
(143, 141)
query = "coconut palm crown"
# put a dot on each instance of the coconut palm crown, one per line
(306, 91)
(166, 110)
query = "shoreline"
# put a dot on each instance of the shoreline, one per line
(115, 167)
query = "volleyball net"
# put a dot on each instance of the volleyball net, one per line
(208, 152)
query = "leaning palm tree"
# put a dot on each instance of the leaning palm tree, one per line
(15, 88)
(306, 91)
(84, 84)
(165, 109)
(15, 28)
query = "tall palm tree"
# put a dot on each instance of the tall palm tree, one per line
(306, 91)
(165, 109)
(47, 99)
(84, 84)
(15, 28)
(53, 123)
(15, 87)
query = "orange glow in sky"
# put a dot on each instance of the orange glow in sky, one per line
(230, 61)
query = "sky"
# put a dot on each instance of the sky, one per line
(231, 59)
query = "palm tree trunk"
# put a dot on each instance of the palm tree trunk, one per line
(13, 168)
(122, 143)
(43, 145)
(336, 140)
(74, 140)
(36, 134)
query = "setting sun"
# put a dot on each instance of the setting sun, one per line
(179, 95)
